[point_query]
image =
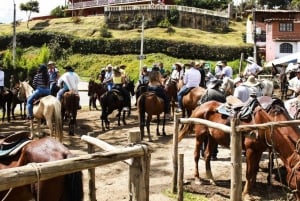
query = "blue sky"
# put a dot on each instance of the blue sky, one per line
(7, 9)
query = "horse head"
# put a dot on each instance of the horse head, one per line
(25, 90)
(227, 86)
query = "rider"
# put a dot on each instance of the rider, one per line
(118, 83)
(40, 85)
(108, 78)
(53, 75)
(1, 80)
(69, 82)
(191, 79)
(155, 85)
(294, 84)
(252, 68)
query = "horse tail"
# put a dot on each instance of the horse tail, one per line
(74, 186)
(184, 131)
(141, 107)
(58, 120)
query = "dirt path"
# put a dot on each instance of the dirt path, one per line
(112, 180)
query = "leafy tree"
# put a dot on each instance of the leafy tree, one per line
(58, 12)
(295, 4)
(283, 4)
(29, 7)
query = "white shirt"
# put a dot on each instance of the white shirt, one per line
(294, 83)
(177, 75)
(1, 78)
(71, 79)
(252, 69)
(227, 72)
(242, 92)
(192, 78)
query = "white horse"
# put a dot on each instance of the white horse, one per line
(48, 108)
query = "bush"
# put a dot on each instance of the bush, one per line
(104, 32)
(165, 23)
(125, 26)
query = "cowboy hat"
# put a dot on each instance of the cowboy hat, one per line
(251, 81)
(51, 62)
(212, 83)
(109, 66)
(236, 80)
(219, 63)
(250, 59)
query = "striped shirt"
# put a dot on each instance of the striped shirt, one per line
(39, 81)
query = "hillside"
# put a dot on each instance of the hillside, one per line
(89, 27)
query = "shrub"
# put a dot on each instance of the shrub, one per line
(104, 32)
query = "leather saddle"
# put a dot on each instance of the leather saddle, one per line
(10, 145)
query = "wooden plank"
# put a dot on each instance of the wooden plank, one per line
(19, 176)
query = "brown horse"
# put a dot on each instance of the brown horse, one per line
(95, 91)
(150, 103)
(17, 100)
(190, 100)
(171, 91)
(62, 188)
(69, 106)
(278, 138)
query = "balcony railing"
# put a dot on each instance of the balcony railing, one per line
(98, 3)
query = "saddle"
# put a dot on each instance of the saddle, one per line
(118, 94)
(188, 91)
(11, 144)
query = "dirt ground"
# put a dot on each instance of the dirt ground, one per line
(112, 180)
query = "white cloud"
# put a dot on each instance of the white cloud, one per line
(7, 9)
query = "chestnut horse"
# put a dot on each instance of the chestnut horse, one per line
(61, 188)
(150, 103)
(48, 108)
(277, 138)
(95, 91)
(17, 100)
(171, 91)
(69, 106)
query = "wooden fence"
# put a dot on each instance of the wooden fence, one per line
(235, 146)
(139, 167)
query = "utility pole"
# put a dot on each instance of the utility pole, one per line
(141, 57)
(14, 37)
(254, 31)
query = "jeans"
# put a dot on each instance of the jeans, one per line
(60, 93)
(180, 94)
(109, 86)
(39, 92)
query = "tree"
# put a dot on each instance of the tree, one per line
(282, 4)
(295, 4)
(58, 12)
(205, 4)
(29, 7)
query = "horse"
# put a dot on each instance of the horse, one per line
(278, 138)
(129, 86)
(95, 91)
(15, 101)
(150, 103)
(190, 100)
(5, 103)
(171, 91)
(48, 108)
(227, 86)
(69, 106)
(110, 101)
(67, 187)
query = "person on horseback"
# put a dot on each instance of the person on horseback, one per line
(177, 73)
(200, 66)
(1, 80)
(252, 68)
(218, 69)
(53, 76)
(226, 70)
(108, 78)
(144, 77)
(68, 82)
(118, 84)
(254, 86)
(191, 79)
(40, 85)
(294, 84)
(155, 85)
(241, 91)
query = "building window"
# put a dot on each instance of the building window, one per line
(286, 27)
(286, 48)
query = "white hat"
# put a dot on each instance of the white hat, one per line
(51, 62)
(251, 81)
(250, 59)
(219, 63)
(109, 66)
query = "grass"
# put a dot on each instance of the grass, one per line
(90, 27)
(186, 196)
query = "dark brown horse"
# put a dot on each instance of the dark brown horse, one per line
(62, 188)
(150, 103)
(277, 138)
(69, 106)
(171, 91)
(95, 91)
(6, 98)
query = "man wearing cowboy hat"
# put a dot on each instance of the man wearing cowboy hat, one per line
(254, 86)
(252, 68)
(218, 69)
(241, 91)
(53, 77)
(108, 78)
(294, 84)
(69, 81)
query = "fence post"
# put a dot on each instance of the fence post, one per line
(175, 153)
(236, 163)
(180, 177)
(91, 172)
(139, 171)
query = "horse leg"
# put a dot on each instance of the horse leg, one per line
(157, 125)
(211, 145)
(252, 166)
(164, 123)
(8, 111)
(123, 117)
(196, 159)
(148, 127)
